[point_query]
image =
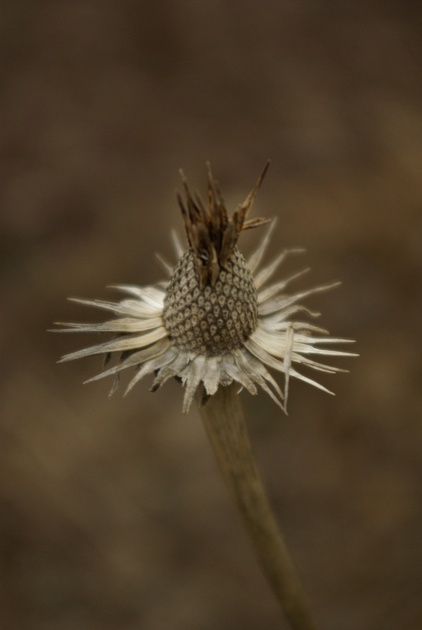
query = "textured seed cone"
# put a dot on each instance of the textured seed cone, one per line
(217, 318)
(203, 326)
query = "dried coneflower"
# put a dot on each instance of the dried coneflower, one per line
(215, 321)
(217, 326)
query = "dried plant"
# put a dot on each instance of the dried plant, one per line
(217, 326)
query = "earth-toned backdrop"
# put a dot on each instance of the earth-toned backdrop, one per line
(112, 511)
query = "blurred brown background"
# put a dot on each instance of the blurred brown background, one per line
(112, 512)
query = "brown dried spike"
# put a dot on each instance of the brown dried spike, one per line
(228, 243)
(244, 208)
(253, 223)
(211, 232)
(186, 218)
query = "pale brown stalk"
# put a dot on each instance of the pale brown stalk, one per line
(225, 425)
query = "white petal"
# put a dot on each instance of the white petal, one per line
(273, 343)
(235, 371)
(260, 353)
(316, 365)
(288, 360)
(171, 369)
(134, 308)
(306, 339)
(151, 366)
(118, 345)
(192, 376)
(167, 267)
(177, 244)
(272, 290)
(286, 314)
(212, 376)
(136, 359)
(123, 325)
(305, 349)
(279, 304)
(255, 259)
(296, 374)
(154, 296)
(259, 374)
(273, 326)
(141, 308)
(268, 271)
(276, 342)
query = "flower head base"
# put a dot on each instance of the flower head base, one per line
(217, 318)
(213, 322)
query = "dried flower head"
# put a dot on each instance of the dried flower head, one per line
(215, 320)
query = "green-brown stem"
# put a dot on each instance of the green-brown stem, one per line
(224, 422)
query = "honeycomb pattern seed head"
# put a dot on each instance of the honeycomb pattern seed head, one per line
(203, 326)
(215, 319)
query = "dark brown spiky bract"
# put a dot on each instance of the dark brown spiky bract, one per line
(214, 320)
(211, 232)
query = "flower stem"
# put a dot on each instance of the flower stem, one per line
(225, 425)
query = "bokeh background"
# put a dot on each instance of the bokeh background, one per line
(112, 512)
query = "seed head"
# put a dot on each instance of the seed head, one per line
(216, 320)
